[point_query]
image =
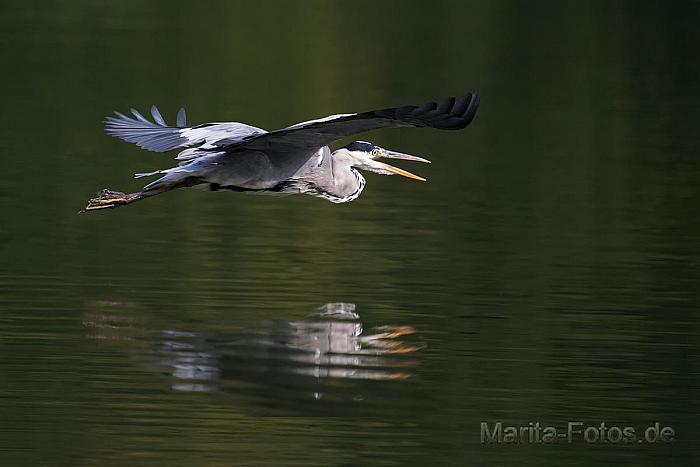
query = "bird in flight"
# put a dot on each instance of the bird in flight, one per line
(238, 157)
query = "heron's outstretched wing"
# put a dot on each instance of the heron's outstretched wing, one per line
(159, 137)
(451, 113)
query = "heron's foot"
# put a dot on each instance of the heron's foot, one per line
(108, 199)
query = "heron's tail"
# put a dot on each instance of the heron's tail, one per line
(149, 174)
(186, 174)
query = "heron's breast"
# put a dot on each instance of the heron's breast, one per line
(250, 169)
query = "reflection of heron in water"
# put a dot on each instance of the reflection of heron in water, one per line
(277, 360)
(332, 345)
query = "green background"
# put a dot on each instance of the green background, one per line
(548, 271)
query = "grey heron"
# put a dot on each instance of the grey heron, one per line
(238, 157)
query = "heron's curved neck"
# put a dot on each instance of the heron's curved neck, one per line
(359, 185)
(344, 184)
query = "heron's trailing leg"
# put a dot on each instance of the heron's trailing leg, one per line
(108, 199)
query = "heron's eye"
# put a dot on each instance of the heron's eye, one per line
(376, 152)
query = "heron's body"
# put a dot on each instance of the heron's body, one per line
(262, 172)
(297, 159)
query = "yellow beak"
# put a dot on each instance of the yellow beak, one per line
(397, 171)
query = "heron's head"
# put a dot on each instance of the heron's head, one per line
(364, 156)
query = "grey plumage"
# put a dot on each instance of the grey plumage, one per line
(239, 157)
(157, 136)
(148, 135)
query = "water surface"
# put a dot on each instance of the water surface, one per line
(547, 271)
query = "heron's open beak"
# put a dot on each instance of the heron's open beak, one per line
(398, 155)
(390, 169)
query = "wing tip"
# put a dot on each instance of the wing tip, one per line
(472, 107)
(450, 113)
(462, 112)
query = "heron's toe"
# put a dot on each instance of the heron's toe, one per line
(108, 192)
(107, 199)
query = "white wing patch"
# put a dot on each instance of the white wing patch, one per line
(319, 120)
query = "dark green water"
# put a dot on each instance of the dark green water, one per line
(548, 271)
